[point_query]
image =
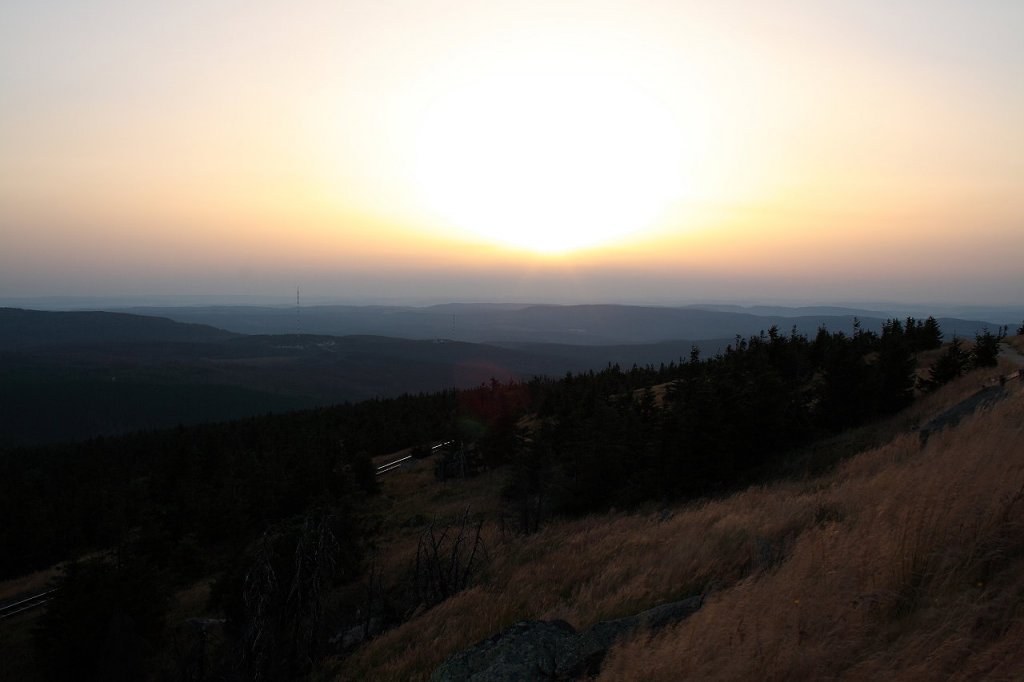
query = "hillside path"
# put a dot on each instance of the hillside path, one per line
(1012, 354)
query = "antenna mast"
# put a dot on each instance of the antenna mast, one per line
(298, 307)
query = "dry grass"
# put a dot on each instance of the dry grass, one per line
(904, 561)
(589, 570)
(1015, 350)
(918, 575)
(412, 497)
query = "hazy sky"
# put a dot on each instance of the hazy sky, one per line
(523, 150)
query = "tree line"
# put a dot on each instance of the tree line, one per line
(610, 439)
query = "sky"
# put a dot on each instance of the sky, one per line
(428, 150)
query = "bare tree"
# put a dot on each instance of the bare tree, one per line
(447, 558)
(283, 597)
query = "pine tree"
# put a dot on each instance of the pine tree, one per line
(929, 336)
(986, 348)
(895, 366)
(949, 365)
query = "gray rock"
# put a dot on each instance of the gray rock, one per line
(667, 614)
(951, 417)
(549, 650)
(528, 650)
(357, 634)
(585, 654)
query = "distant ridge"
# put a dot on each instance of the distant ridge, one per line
(21, 328)
(68, 375)
(786, 311)
(73, 375)
(581, 325)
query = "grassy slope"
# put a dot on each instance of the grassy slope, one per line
(906, 561)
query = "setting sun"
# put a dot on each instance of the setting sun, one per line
(517, 149)
(549, 158)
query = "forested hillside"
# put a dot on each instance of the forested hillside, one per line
(595, 324)
(901, 561)
(76, 375)
(279, 513)
(28, 328)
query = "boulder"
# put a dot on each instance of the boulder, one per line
(550, 650)
(949, 418)
(357, 634)
(667, 614)
(528, 650)
(584, 654)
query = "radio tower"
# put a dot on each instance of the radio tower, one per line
(298, 325)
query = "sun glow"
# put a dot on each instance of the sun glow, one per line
(549, 159)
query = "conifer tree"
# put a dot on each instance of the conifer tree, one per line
(923, 335)
(949, 366)
(986, 348)
(895, 366)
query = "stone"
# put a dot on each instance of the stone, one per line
(357, 634)
(585, 655)
(952, 416)
(550, 650)
(528, 650)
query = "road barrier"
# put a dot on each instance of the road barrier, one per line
(26, 604)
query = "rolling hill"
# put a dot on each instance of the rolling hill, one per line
(21, 328)
(558, 324)
(69, 375)
(81, 374)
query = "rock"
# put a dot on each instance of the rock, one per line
(951, 417)
(204, 624)
(548, 650)
(585, 654)
(667, 614)
(528, 650)
(357, 634)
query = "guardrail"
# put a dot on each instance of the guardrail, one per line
(391, 466)
(26, 604)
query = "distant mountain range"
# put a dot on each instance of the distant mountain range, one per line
(509, 323)
(31, 328)
(70, 375)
